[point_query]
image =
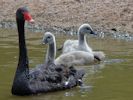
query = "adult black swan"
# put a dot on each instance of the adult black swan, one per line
(44, 78)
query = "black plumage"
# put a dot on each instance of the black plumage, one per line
(43, 78)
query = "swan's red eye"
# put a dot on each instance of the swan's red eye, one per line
(28, 17)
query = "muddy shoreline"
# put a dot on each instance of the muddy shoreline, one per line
(102, 15)
(102, 34)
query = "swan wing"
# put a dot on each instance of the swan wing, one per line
(70, 45)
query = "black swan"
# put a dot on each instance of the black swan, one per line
(44, 78)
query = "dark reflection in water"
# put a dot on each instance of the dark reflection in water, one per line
(109, 80)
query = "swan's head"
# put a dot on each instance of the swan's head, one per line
(48, 38)
(86, 29)
(23, 14)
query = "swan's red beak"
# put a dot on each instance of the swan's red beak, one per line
(28, 17)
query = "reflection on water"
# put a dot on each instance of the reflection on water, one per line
(109, 80)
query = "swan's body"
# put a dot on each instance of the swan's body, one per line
(81, 44)
(44, 78)
(67, 59)
(75, 58)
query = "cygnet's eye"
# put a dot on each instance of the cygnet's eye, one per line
(48, 37)
(87, 28)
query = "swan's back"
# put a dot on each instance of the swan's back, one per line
(45, 78)
(73, 45)
(70, 45)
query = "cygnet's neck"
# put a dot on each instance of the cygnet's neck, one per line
(82, 39)
(51, 52)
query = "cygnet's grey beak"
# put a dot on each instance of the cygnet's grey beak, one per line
(44, 41)
(92, 32)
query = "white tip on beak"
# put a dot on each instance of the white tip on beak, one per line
(43, 42)
(31, 21)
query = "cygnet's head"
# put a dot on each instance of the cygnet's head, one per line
(48, 38)
(86, 29)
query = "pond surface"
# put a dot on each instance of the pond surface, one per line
(109, 80)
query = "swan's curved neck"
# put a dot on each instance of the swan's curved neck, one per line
(51, 52)
(23, 58)
(82, 38)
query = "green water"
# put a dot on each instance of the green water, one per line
(109, 80)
